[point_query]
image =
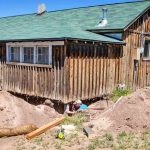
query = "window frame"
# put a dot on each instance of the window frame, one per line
(147, 57)
(23, 54)
(10, 54)
(37, 55)
(31, 44)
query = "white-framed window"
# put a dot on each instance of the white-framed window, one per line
(147, 49)
(14, 54)
(28, 55)
(43, 55)
(31, 52)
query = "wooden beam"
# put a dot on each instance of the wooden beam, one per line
(29, 65)
(44, 128)
(144, 33)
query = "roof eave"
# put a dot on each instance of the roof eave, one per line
(106, 30)
(121, 29)
(32, 40)
(127, 26)
(107, 42)
(61, 39)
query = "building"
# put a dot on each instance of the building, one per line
(78, 53)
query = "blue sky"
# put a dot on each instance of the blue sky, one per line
(17, 7)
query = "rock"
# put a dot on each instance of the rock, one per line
(90, 125)
(1, 108)
(69, 128)
(145, 126)
(49, 103)
(128, 118)
(87, 131)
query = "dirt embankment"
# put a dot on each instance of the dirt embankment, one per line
(15, 111)
(130, 113)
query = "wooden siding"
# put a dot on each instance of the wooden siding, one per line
(48, 81)
(78, 71)
(132, 36)
(94, 69)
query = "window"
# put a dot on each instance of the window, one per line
(43, 55)
(15, 54)
(31, 52)
(28, 54)
(115, 35)
(147, 49)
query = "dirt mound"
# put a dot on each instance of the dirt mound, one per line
(15, 111)
(130, 113)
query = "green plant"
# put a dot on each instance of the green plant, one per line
(126, 140)
(122, 134)
(145, 140)
(77, 120)
(105, 141)
(108, 137)
(58, 145)
(121, 140)
(94, 144)
(120, 92)
(38, 140)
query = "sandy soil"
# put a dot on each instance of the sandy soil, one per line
(15, 111)
(129, 113)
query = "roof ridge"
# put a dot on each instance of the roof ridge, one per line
(82, 7)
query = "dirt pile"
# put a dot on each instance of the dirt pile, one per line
(15, 111)
(130, 113)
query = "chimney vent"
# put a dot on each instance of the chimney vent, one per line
(104, 21)
(41, 9)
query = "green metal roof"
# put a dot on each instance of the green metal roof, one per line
(70, 23)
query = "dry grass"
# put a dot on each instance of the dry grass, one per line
(122, 141)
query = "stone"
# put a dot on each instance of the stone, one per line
(1, 108)
(48, 103)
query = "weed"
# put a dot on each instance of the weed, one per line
(94, 144)
(120, 92)
(121, 139)
(34, 147)
(136, 143)
(101, 142)
(45, 145)
(122, 134)
(77, 120)
(58, 145)
(145, 140)
(108, 137)
(38, 140)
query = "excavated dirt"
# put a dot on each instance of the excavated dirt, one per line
(129, 113)
(15, 112)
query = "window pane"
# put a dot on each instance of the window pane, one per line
(15, 54)
(147, 49)
(28, 55)
(42, 53)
